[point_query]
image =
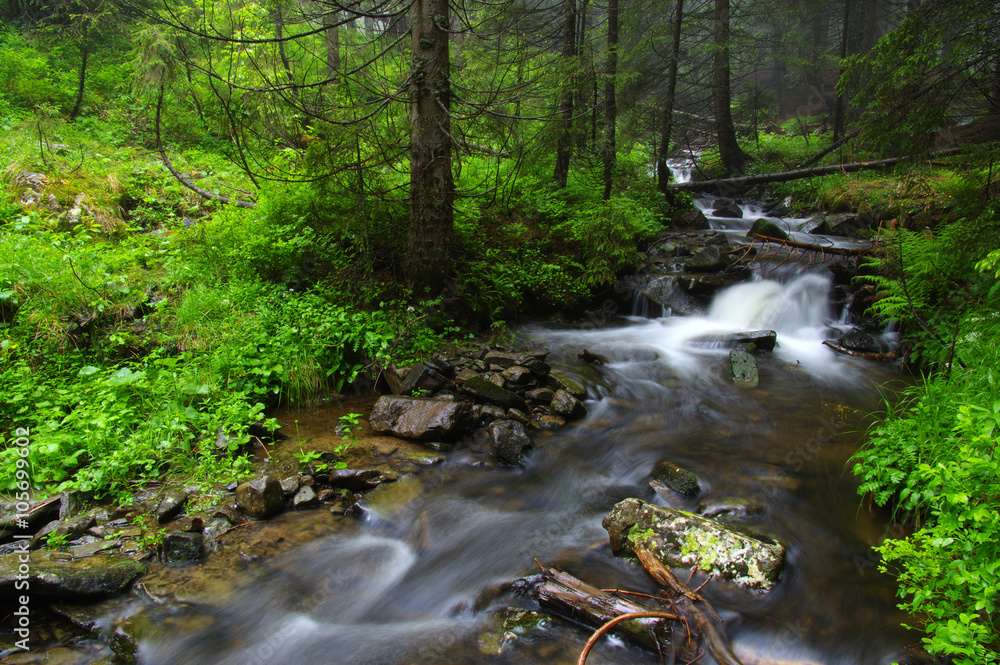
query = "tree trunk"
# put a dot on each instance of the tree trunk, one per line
(662, 172)
(279, 32)
(332, 39)
(611, 102)
(733, 158)
(838, 122)
(83, 76)
(564, 145)
(432, 189)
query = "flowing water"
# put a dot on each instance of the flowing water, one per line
(400, 586)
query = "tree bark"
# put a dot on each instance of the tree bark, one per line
(662, 172)
(610, 100)
(78, 104)
(332, 39)
(841, 112)
(432, 189)
(564, 145)
(733, 158)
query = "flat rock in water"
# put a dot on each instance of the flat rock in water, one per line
(763, 340)
(90, 577)
(181, 548)
(684, 540)
(709, 259)
(421, 419)
(730, 210)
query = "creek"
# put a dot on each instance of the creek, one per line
(399, 586)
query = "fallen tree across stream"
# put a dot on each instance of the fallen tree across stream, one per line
(735, 184)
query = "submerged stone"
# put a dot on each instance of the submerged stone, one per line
(566, 405)
(668, 476)
(684, 540)
(743, 366)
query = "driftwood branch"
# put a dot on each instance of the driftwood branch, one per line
(690, 605)
(865, 355)
(814, 247)
(565, 596)
(612, 623)
(204, 193)
(796, 174)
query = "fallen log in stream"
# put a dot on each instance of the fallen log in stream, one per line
(674, 624)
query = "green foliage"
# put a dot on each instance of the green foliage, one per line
(934, 456)
(926, 278)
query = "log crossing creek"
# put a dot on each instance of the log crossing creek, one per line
(411, 582)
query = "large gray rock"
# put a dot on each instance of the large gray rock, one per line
(508, 442)
(260, 498)
(709, 259)
(743, 366)
(90, 577)
(482, 390)
(684, 540)
(730, 210)
(763, 340)
(421, 419)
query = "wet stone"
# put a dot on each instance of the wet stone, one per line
(181, 548)
(768, 229)
(422, 377)
(260, 498)
(94, 576)
(566, 405)
(425, 459)
(518, 416)
(170, 505)
(359, 480)
(289, 486)
(540, 395)
(305, 498)
(518, 375)
(487, 413)
(550, 422)
(508, 442)
(464, 375)
(215, 528)
(482, 390)
(421, 419)
(569, 384)
(667, 476)
(191, 523)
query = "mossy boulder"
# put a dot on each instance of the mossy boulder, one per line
(681, 539)
(89, 577)
(768, 229)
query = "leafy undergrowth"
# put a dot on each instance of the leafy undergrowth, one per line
(935, 459)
